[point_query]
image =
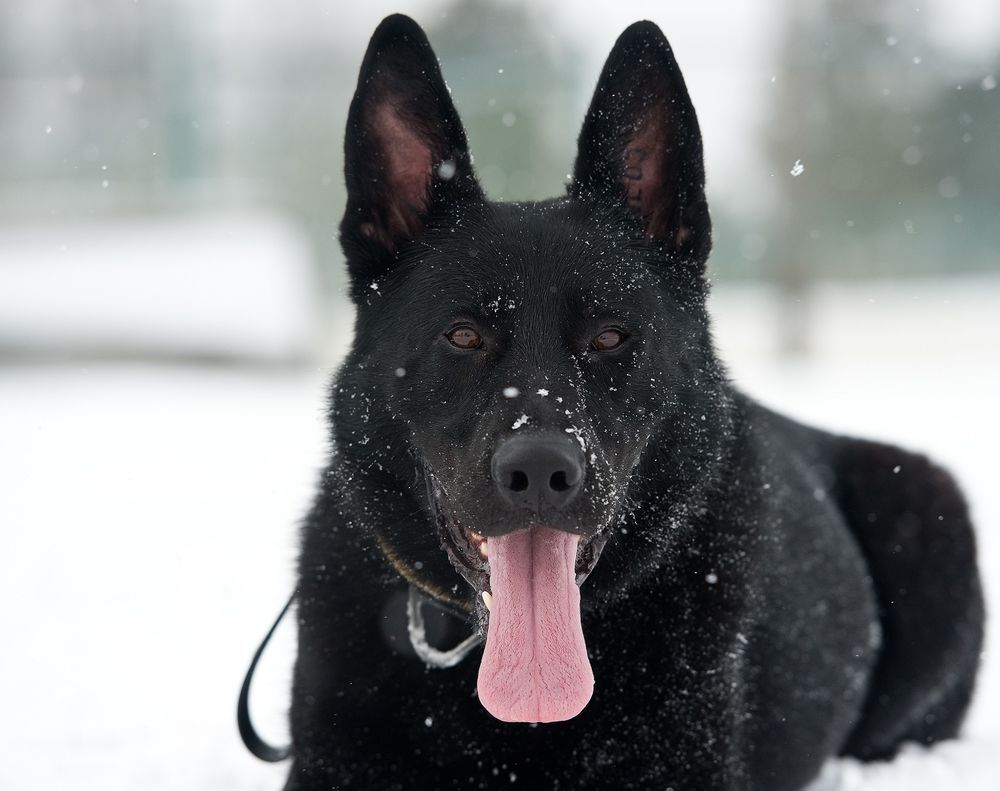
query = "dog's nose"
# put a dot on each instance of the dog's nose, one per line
(538, 471)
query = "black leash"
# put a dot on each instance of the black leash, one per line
(432, 656)
(254, 743)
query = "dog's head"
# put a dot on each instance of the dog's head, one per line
(536, 364)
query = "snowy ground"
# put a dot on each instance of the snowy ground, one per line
(148, 525)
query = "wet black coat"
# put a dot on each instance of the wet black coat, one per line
(769, 595)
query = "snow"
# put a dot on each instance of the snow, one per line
(148, 520)
(149, 517)
(969, 764)
(212, 285)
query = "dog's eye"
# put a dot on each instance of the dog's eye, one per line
(607, 340)
(464, 337)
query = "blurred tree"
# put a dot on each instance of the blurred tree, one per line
(161, 108)
(521, 130)
(889, 133)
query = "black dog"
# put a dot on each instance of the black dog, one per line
(531, 383)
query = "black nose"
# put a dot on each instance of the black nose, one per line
(538, 471)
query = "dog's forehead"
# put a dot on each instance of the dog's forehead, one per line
(518, 256)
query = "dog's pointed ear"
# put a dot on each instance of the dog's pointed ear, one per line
(640, 143)
(404, 149)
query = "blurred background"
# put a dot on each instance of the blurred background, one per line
(172, 305)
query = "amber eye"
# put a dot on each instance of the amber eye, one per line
(464, 337)
(607, 340)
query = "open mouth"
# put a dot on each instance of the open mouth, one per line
(535, 666)
(469, 552)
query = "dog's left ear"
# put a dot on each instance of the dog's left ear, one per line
(405, 151)
(640, 144)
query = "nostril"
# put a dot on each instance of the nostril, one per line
(540, 472)
(518, 481)
(558, 481)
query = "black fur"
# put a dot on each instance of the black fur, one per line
(769, 596)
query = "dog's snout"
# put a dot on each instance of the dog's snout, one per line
(538, 471)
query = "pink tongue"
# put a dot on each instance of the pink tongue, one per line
(535, 666)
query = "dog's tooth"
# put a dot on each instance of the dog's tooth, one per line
(484, 548)
(488, 600)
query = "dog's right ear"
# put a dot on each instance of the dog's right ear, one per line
(405, 151)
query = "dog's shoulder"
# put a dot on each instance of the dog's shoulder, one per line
(853, 464)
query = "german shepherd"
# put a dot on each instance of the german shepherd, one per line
(533, 387)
